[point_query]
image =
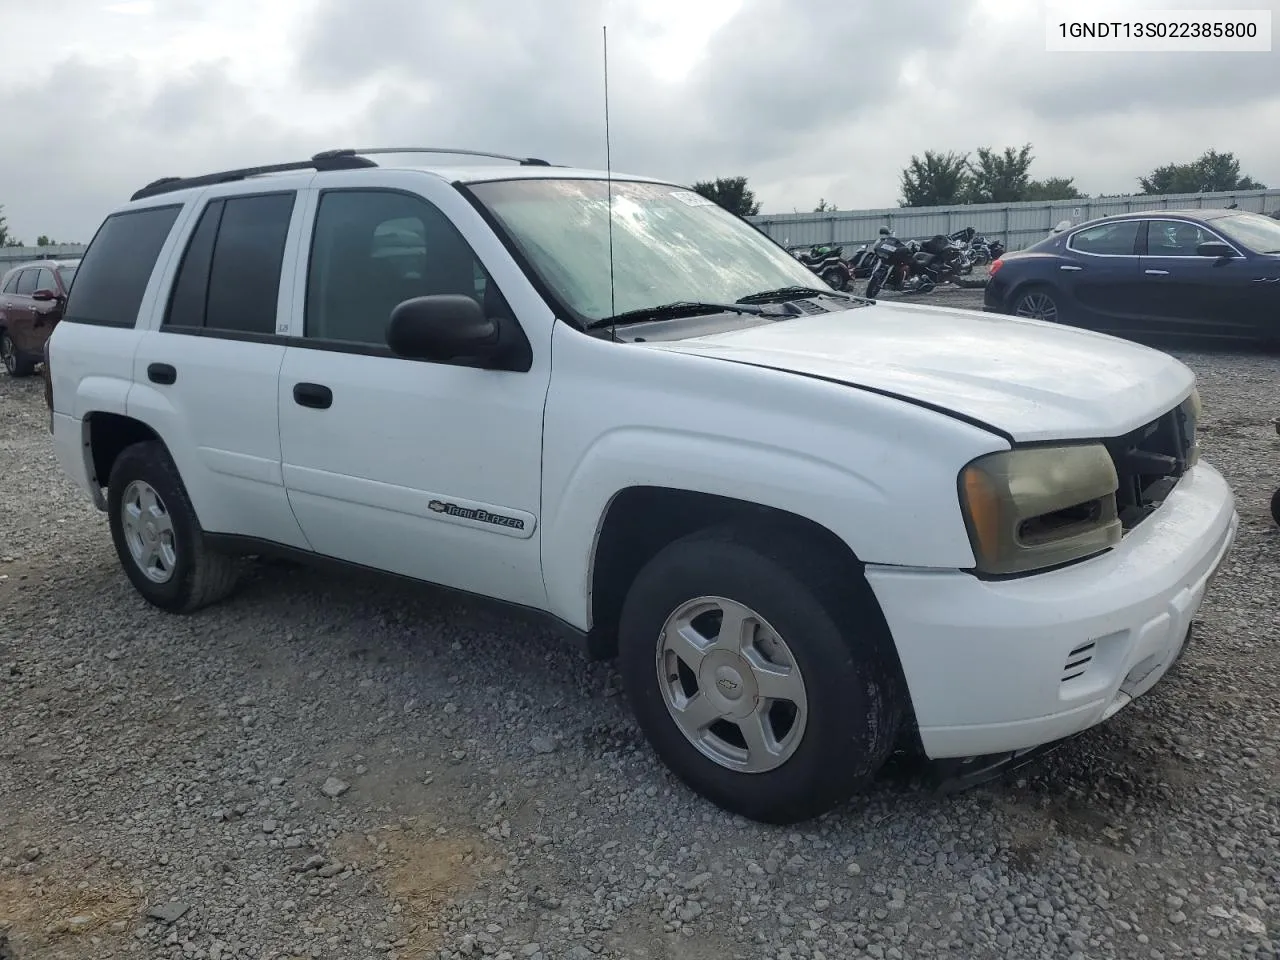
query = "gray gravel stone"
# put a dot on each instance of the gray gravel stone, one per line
(143, 755)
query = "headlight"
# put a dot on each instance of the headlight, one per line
(1037, 507)
(1190, 409)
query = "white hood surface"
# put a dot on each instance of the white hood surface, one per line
(1031, 380)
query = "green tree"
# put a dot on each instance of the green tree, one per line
(936, 180)
(44, 241)
(1000, 177)
(824, 207)
(6, 238)
(1211, 172)
(731, 193)
(1053, 188)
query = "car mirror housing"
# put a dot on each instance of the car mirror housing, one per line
(1215, 248)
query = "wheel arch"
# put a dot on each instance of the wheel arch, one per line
(107, 435)
(640, 520)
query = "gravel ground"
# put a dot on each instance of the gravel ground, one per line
(327, 768)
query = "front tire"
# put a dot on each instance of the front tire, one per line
(157, 536)
(758, 675)
(1275, 507)
(874, 283)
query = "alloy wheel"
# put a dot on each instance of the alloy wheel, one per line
(732, 685)
(148, 531)
(1038, 306)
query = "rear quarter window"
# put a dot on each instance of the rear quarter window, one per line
(113, 272)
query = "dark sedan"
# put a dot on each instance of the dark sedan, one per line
(1212, 273)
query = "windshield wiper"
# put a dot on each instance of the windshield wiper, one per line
(790, 293)
(669, 311)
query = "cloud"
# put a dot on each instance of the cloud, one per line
(807, 100)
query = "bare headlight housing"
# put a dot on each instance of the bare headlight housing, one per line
(1190, 409)
(1037, 507)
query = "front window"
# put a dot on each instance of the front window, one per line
(669, 244)
(1260, 234)
(1176, 238)
(66, 272)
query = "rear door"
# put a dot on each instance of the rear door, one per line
(1103, 274)
(7, 293)
(21, 312)
(1188, 293)
(209, 371)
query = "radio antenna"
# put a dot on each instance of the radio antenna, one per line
(608, 173)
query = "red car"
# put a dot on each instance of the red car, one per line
(31, 300)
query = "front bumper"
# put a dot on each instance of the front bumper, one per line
(995, 666)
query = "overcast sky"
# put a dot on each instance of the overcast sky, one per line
(808, 99)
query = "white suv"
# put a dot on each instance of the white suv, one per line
(813, 528)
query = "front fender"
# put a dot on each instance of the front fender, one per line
(878, 473)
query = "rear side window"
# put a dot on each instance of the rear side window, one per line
(27, 282)
(229, 278)
(191, 288)
(113, 273)
(1114, 239)
(244, 279)
(11, 285)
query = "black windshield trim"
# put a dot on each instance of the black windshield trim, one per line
(558, 305)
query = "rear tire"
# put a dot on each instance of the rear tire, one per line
(1038, 302)
(836, 279)
(792, 719)
(1275, 507)
(15, 364)
(157, 536)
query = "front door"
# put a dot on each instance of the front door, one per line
(429, 470)
(1188, 293)
(45, 312)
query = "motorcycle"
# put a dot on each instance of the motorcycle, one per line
(977, 250)
(938, 260)
(892, 263)
(915, 266)
(826, 261)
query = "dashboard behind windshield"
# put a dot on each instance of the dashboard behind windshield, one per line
(669, 244)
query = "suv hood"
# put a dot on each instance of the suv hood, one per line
(1028, 379)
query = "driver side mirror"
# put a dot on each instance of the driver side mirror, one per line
(44, 295)
(1215, 248)
(444, 328)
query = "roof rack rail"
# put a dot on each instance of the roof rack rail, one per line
(329, 160)
(523, 161)
(342, 159)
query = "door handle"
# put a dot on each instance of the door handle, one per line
(315, 395)
(1066, 267)
(161, 373)
(1156, 273)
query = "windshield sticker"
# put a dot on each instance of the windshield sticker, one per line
(692, 199)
